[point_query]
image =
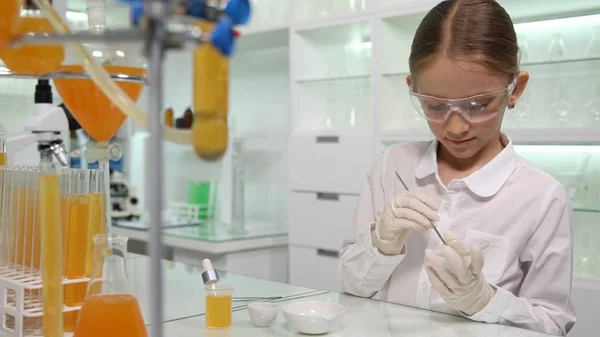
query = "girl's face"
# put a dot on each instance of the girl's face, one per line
(452, 79)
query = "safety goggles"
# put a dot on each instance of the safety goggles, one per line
(474, 109)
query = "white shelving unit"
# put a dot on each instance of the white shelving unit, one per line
(329, 159)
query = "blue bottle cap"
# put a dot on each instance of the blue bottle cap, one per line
(239, 11)
(223, 36)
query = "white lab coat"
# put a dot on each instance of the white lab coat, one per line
(522, 212)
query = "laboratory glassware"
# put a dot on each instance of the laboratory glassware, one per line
(556, 50)
(562, 109)
(238, 205)
(211, 100)
(52, 245)
(34, 59)
(9, 19)
(3, 155)
(110, 308)
(524, 50)
(218, 305)
(522, 114)
(591, 111)
(593, 49)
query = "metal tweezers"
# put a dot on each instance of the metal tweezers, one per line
(249, 299)
(432, 223)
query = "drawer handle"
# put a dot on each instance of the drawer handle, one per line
(328, 139)
(328, 196)
(328, 253)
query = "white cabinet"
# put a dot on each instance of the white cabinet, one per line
(314, 268)
(320, 220)
(337, 164)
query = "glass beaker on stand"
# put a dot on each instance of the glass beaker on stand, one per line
(110, 308)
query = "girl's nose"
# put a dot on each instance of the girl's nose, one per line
(456, 124)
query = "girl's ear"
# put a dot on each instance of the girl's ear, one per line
(522, 79)
(409, 80)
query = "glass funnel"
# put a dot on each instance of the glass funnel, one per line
(33, 59)
(556, 50)
(110, 309)
(95, 112)
(9, 18)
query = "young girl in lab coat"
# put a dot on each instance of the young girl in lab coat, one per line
(464, 75)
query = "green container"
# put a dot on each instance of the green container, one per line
(204, 194)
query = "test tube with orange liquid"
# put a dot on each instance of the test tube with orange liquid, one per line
(3, 154)
(52, 246)
(77, 237)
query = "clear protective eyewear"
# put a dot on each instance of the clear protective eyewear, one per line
(478, 108)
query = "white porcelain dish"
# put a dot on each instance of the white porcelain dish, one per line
(313, 318)
(262, 314)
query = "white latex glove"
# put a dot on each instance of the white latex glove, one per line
(411, 211)
(456, 275)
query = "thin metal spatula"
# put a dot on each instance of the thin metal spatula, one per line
(432, 223)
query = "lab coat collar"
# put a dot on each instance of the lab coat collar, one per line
(485, 182)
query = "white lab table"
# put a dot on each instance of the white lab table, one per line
(363, 317)
(262, 246)
(184, 290)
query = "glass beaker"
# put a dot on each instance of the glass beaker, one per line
(218, 305)
(110, 309)
(523, 48)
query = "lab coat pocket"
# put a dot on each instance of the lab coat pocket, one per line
(495, 252)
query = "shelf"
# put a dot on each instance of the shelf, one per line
(519, 10)
(256, 40)
(586, 210)
(556, 136)
(332, 79)
(309, 14)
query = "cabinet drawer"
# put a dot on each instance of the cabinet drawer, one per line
(314, 268)
(331, 164)
(320, 220)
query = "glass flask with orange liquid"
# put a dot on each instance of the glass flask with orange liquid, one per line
(9, 18)
(33, 59)
(210, 130)
(94, 111)
(110, 309)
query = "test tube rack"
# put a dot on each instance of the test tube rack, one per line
(21, 304)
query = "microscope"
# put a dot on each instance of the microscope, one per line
(43, 128)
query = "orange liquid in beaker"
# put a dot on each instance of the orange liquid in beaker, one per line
(34, 59)
(218, 311)
(9, 19)
(116, 315)
(96, 114)
(3, 159)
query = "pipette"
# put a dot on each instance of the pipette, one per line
(432, 223)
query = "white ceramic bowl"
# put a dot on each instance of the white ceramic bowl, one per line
(313, 318)
(262, 314)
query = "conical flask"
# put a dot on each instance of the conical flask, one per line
(110, 308)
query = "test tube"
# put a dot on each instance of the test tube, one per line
(3, 155)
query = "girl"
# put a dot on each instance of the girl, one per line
(464, 74)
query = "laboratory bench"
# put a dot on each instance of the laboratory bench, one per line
(184, 309)
(262, 246)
